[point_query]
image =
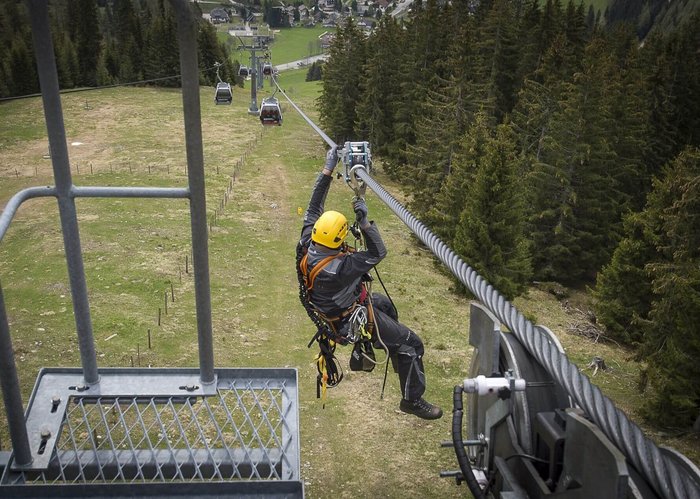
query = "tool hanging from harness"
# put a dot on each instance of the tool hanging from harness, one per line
(329, 371)
(354, 325)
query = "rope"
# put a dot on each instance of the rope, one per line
(667, 474)
(89, 89)
(313, 125)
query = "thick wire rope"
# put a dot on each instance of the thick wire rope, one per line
(313, 125)
(666, 475)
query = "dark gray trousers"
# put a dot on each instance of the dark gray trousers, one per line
(405, 347)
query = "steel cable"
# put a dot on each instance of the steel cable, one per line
(665, 475)
(313, 125)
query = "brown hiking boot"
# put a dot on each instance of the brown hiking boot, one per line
(421, 408)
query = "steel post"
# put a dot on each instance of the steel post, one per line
(253, 84)
(187, 35)
(11, 393)
(48, 79)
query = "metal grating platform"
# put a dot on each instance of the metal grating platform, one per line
(146, 426)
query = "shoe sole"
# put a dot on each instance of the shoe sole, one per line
(426, 417)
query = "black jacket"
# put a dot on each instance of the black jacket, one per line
(339, 284)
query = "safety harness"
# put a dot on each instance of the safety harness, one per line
(353, 325)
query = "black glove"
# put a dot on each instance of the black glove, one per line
(331, 158)
(360, 208)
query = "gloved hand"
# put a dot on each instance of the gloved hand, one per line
(360, 208)
(331, 158)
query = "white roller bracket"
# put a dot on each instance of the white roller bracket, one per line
(485, 386)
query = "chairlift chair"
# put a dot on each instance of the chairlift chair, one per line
(270, 112)
(223, 93)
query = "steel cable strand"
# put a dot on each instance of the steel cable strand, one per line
(313, 125)
(664, 476)
(642, 452)
(639, 450)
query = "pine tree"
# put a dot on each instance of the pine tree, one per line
(378, 105)
(433, 107)
(314, 73)
(622, 294)
(162, 53)
(210, 53)
(575, 28)
(683, 46)
(22, 66)
(437, 134)
(426, 41)
(128, 38)
(657, 71)
(550, 24)
(103, 76)
(528, 35)
(490, 235)
(65, 78)
(671, 337)
(443, 214)
(590, 19)
(4, 80)
(341, 84)
(631, 133)
(577, 202)
(540, 99)
(87, 39)
(497, 58)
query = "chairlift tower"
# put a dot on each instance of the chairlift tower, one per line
(259, 43)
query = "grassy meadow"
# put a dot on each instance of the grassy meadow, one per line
(137, 250)
(290, 44)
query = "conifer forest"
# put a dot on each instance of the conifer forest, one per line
(541, 144)
(538, 139)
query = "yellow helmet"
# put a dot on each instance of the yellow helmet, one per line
(330, 229)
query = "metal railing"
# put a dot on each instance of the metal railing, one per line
(92, 426)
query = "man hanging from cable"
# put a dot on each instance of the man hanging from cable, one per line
(333, 289)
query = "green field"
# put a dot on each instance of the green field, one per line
(292, 44)
(136, 250)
